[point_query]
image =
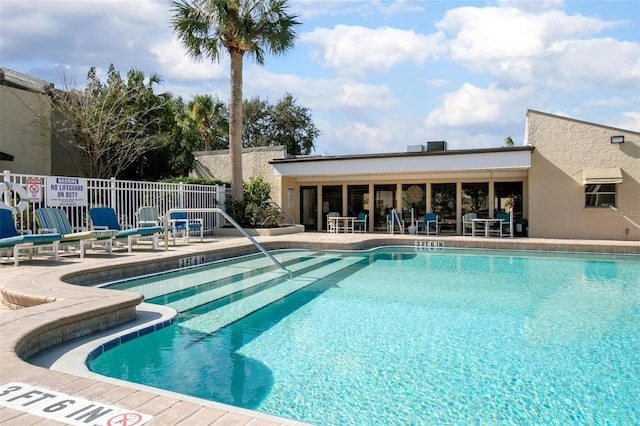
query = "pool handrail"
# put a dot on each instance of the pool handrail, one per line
(228, 219)
(267, 202)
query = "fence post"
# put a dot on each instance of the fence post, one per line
(181, 195)
(113, 195)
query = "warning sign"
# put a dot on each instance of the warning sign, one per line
(66, 409)
(34, 189)
(65, 191)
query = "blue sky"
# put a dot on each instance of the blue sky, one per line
(377, 75)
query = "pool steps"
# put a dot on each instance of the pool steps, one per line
(229, 313)
(204, 297)
(177, 281)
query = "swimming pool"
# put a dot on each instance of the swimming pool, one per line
(400, 336)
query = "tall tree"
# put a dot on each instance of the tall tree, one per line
(211, 118)
(107, 126)
(208, 27)
(284, 123)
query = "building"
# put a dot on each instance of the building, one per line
(27, 141)
(570, 179)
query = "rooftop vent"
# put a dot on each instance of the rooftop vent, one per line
(436, 146)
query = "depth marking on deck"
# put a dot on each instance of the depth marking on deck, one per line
(65, 408)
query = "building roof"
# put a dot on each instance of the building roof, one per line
(407, 163)
(22, 81)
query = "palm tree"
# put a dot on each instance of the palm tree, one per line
(210, 117)
(208, 27)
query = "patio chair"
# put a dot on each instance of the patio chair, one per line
(429, 223)
(468, 224)
(182, 224)
(332, 225)
(506, 223)
(13, 240)
(53, 220)
(148, 216)
(106, 218)
(360, 224)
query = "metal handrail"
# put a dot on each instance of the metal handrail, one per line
(293, 221)
(229, 219)
(394, 218)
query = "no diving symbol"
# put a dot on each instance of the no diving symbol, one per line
(126, 419)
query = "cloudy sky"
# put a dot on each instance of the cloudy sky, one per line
(377, 75)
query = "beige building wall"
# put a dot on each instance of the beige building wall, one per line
(563, 148)
(255, 163)
(25, 130)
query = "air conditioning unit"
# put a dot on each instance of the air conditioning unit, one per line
(436, 146)
(415, 148)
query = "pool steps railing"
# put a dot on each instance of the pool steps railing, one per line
(284, 213)
(228, 219)
(216, 319)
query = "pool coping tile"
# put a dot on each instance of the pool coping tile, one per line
(69, 313)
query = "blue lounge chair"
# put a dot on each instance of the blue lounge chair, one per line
(106, 218)
(54, 220)
(12, 240)
(429, 224)
(182, 224)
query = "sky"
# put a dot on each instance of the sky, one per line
(376, 75)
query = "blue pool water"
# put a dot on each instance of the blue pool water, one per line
(402, 336)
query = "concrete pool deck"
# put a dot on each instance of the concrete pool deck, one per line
(55, 312)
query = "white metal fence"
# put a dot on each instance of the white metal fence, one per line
(126, 197)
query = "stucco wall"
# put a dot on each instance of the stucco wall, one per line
(255, 163)
(563, 148)
(25, 131)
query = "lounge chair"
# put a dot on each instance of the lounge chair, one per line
(468, 224)
(360, 224)
(429, 224)
(182, 224)
(12, 240)
(54, 221)
(106, 218)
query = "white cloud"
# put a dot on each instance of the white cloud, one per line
(356, 50)
(471, 105)
(579, 64)
(630, 121)
(175, 64)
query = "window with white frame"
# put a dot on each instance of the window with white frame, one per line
(600, 195)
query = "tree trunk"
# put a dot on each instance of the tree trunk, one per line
(235, 125)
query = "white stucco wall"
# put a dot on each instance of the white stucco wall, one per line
(563, 148)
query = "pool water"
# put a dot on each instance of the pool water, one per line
(403, 336)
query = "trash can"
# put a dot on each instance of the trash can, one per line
(521, 228)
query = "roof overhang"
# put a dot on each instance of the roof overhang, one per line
(601, 175)
(406, 163)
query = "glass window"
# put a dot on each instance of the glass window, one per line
(358, 199)
(475, 198)
(507, 195)
(443, 203)
(600, 195)
(414, 196)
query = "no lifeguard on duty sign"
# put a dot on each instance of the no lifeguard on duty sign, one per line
(65, 408)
